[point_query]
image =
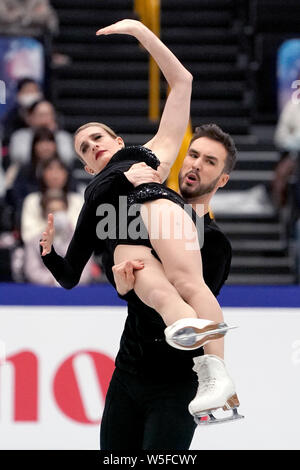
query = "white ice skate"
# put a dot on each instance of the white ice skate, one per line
(193, 333)
(216, 390)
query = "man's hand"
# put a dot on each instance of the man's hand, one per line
(48, 236)
(124, 275)
(140, 173)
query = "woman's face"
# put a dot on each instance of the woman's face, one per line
(28, 94)
(43, 115)
(56, 205)
(96, 147)
(44, 149)
(55, 176)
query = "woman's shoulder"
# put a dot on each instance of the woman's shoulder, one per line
(32, 198)
(23, 132)
(75, 199)
(137, 153)
(120, 162)
(63, 134)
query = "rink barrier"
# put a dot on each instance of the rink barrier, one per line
(104, 294)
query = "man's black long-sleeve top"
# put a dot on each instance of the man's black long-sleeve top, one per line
(143, 349)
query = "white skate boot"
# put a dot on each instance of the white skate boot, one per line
(216, 390)
(193, 333)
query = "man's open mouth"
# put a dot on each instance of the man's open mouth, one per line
(191, 178)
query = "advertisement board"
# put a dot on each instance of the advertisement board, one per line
(57, 362)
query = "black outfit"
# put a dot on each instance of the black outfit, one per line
(25, 183)
(13, 121)
(105, 188)
(153, 383)
(147, 401)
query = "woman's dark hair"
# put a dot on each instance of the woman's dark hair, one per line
(41, 134)
(25, 81)
(52, 195)
(44, 165)
(35, 104)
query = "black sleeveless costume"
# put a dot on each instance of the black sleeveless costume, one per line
(105, 188)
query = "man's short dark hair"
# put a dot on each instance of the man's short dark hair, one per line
(214, 132)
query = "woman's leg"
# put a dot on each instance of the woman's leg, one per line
(152, 286)
(156, 291)
(174, 237)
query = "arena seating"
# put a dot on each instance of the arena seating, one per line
(108, 81)
(267, 38)
(109, 77)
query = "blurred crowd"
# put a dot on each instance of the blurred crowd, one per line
(38, 166)
(286, 180)
(37, 176)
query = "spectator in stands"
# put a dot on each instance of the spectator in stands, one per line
(286, 181)
(56, 202)
(28, 18)
(295, 216)
(36, 18)
(3, 221)
(2, 183)
(40, 114)
(287, 140)
(43, 147)
(27, 175)
(287, 132)
(7, 238)
(28, 92)
(54, 175)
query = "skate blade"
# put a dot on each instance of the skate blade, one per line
(209, 418)
(221, 329)
(201, 337)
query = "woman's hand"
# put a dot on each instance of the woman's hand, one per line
(124, 276)
(121, 27)
(48, 236)
(140, 173)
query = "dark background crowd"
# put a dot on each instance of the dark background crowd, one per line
(234, 85)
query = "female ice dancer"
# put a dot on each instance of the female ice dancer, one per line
(173, 286)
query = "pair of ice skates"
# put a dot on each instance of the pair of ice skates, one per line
(216, 389)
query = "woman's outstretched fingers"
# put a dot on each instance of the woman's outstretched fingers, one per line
(126, 26)
(47, 236)
(102, 31)
(51, 221)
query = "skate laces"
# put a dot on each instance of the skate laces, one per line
(206, 382)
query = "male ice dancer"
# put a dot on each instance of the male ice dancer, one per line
(153, 384)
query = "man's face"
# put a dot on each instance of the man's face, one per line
(202, 169)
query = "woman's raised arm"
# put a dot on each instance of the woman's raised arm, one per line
(167, 141)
